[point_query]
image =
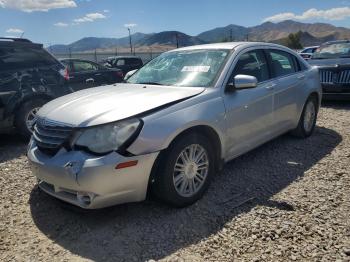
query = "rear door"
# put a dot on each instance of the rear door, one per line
(120, 63)
(289, 80)
(28, 70)
(84, 75)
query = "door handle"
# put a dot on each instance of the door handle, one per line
(270, 86)
(89, 80)
(301, 77)
(98, 74)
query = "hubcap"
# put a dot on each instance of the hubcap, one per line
(309, 116)
(31, 118)
(191, 170)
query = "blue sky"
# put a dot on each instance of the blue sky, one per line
(65, 21)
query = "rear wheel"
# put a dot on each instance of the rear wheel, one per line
(307, 120)
(26, 116)
(185, 171)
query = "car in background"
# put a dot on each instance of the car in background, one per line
(173, 124)
(307, 52)
(125, 63)
(29, 78)
(85, 74)
(333, 61)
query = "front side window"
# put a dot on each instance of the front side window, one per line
(197, 68)
(282, 63)
(252, 63)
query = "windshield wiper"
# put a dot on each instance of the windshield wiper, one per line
(150, 83)
(344, 56)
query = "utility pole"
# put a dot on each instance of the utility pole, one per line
(247, 37)
(177, 40)
(231, 37)
(130, 41)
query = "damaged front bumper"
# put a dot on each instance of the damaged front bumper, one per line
(91, 181)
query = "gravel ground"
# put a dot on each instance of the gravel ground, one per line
(287, 200)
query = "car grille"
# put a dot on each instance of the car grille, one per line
(50, 136)
(333, 77)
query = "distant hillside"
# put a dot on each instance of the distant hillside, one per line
(313, 34)
(169, 38)
(222, 33)
(91, 43)
(271, 31)
(307, 39)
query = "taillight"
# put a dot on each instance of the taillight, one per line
(119, 74)
(65, 73)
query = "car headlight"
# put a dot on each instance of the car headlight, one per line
(110, 137)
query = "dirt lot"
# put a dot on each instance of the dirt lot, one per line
(287, 200)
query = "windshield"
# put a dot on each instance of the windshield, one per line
(197, 68)
(336, 50)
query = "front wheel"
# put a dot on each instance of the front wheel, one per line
(26, 116)
(307, 121)
(185, 171)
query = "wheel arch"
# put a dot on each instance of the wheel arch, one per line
(32, 97)
(202, 129)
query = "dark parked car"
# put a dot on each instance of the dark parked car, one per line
(333, 61)
(29, 77)
(125, 63)
(84, 74)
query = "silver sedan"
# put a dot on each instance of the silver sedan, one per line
(171, 127)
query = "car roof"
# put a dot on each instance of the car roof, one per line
(76, 59)
(336, 42)
(227, 45)
(11, 41)
(314, 46)
(114, 57)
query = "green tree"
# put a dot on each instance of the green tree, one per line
(293, 41)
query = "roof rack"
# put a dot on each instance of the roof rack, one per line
(15, 39)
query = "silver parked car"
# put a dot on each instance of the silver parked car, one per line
(169, 129)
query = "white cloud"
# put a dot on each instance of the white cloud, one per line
(37, 5)
(130, 25)
(60, 24)
(14, 31)
(106, 11)
(89, 18)
(338, 13)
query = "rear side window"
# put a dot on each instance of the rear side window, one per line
(282, 63)
(120, 62)
(81, 66)
(252, 63)
(134, 61)
(14, 58)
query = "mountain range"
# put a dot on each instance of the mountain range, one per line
(312, 34)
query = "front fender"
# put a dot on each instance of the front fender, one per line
(161, 128)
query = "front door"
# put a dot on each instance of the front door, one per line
(249, 112)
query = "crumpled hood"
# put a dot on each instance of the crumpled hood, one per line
(329, 62)
(110, 103)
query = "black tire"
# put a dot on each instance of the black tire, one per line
(22, 113)
(163, 186)
(300, 131)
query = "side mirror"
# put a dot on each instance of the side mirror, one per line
(243, 82)
(129, 74)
